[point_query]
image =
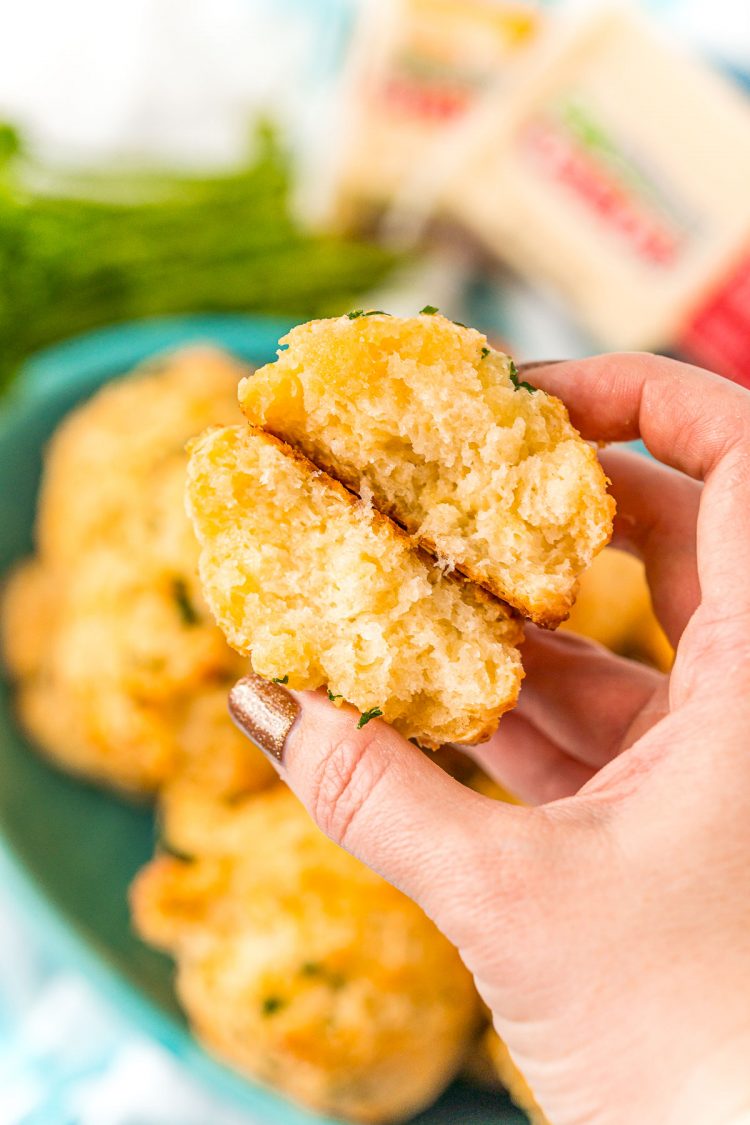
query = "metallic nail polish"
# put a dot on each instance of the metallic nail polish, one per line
(265, 712)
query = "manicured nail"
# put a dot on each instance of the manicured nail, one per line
(265, 712)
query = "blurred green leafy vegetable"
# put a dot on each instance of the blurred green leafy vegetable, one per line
(80, 251)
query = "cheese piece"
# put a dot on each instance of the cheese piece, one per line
(618, 172)
(418, 68)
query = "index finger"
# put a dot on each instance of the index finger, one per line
(688, 418)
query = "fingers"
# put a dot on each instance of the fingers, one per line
(528, 763)
(657, 518)
(723, 539)
(382, 799)
(581, 697)
(579, 707)
(689, 419)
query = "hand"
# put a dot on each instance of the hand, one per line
(608, 926)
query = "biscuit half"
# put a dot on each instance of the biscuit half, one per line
(323, 591)
(421, 415)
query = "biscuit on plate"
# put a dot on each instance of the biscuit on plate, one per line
(299, 965)
(120, 673)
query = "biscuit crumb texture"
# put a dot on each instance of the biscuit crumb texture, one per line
(315, 585)
(421, 414)
(300, 966)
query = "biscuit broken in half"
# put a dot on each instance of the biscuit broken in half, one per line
(438, 429)
(321, 590)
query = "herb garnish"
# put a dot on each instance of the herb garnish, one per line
(428, 310)
(333, 697)
(182, 601)
(316, 969)
(355, 314)
(485, 352)
(272, 1004)
(364, 718)
(281, 679)
(519, 383)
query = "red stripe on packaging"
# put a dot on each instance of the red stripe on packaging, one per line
(718, 335)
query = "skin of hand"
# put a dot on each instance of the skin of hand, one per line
(608, 924)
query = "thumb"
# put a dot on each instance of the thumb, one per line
(383, 800)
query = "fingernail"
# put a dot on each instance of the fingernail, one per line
(265, 712)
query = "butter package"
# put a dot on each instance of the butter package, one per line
(417, 70)
(618, 172)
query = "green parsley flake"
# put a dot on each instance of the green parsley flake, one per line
(519, 384)
(355, 313)
(182, 600)
(428, 310)
(272, 1004)
(281, 679)
(485, 352)
(364, 718)
(316, 969)
(333, 697)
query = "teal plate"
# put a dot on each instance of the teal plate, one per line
(68, 851)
